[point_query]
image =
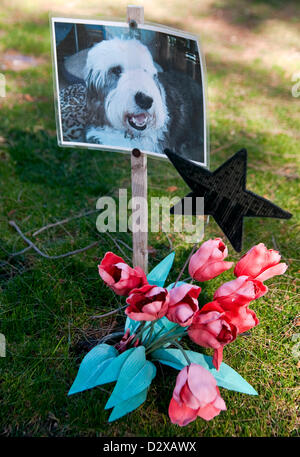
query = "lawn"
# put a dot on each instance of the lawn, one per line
(252, 53)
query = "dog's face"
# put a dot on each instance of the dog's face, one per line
(123, 88)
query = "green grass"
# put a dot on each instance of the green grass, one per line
(46, 305)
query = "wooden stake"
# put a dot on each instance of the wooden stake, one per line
(135, 14)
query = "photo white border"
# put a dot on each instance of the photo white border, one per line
(116, 23)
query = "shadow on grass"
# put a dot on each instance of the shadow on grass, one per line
(40, 161)
(251, 14)
(255, 77)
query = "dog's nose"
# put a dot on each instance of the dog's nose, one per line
(143, 101)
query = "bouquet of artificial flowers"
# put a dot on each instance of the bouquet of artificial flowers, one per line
(158, 318)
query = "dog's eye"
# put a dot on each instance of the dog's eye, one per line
(117, 70)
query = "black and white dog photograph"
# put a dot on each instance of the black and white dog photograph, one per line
(120, 87)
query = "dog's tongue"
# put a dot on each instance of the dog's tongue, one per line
(140, 118)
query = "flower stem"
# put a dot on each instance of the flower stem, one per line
(166, 338)
(139, 332)
(182, 351)
(108, 314)
(162, 338)
(184, 266)
(150, 333)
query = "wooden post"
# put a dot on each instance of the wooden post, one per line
(135, 13)
(139, 177)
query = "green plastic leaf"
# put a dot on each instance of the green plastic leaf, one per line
(226, 377)
(159, 274)
(135, 376)
(128, 405)
(92, 366)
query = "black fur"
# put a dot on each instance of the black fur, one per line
(184, 101)
(96, 97)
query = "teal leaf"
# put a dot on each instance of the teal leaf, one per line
(226, 377)
(161, 326)
(132, 325)
(128, 405)
(92, 366)
(180, 283)
(159, 274)
(127, 388)
(112, 371)
(136, 375)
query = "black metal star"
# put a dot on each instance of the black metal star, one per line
(225, 194)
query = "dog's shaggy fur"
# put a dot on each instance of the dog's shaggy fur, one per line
(128, 103)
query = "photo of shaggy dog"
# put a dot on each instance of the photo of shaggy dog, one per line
(127, 101)
(125, 95)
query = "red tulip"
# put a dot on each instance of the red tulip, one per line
(241, 316)
(240, 291)
(119, 276)
(195, 394)
(211, 328)
(208, 262)
(183, 304)
(148, 303)
(125, 342)
(260, 263)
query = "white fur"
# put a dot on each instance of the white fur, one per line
(117, 138)
(139, 75)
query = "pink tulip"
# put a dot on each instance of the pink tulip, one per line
(195, 394)
(148, 303)
(240, 291)
(183, 304)
(208, 262)
(260, 263)
(211, 328)
(119, 276)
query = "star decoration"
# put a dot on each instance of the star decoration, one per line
(225, 195)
